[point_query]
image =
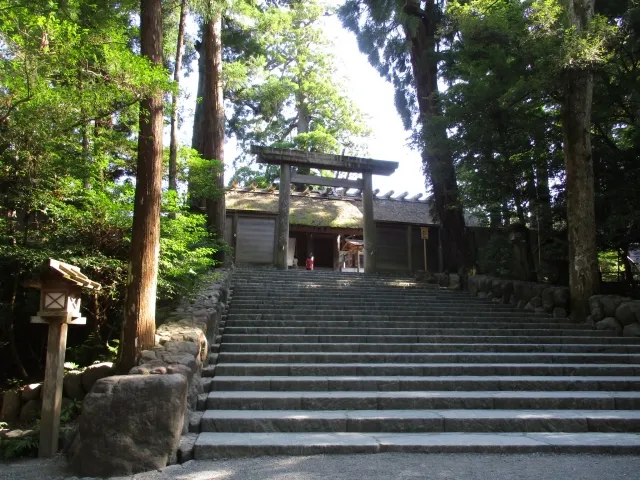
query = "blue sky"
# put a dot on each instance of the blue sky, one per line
(372, 94)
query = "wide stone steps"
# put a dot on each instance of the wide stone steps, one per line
(317, 362)
(481, 338)
(472, 357)
(418, 304)
(442, 383)
(427, 347)
(224, 445)
(421, 400)
(418, 421)
(426, 332)
(473, 323)
(350, 308)
(422, 369)
(453, 316)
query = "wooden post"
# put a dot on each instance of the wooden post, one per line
(52, 387)
(410, 247)
(283, 216)
(234, 235)
(336, 254)
(440, 252)
(425, 254)
(358, 261)
(60, 291)
(369, 229)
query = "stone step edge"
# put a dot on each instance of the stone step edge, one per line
(210, 445)
(472, 420)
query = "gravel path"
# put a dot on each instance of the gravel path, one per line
(386, 466)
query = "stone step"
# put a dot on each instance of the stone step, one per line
(393, 358)
(441, 383)
(377, 315)
(500, 338)
(540, 332)
(425, 369)
(427, 347)
(419, 400)
(214, 445)
(326, 292)
(348, 307)
(462, 322)
(418, 421)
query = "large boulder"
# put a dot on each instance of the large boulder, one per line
(597, 311)
(496, 288)
(72, 385)
(10, 406)
(632, 330)
(561, 297)
(536, 302)
(94, 373)
(30, 411)
(507, 292)
(547, 299)
(610, 304)
(454, 281)
(473, 284)
(484, 284)
(628, 312)
(559, 312)
(130, 424)
(31, 392)
(609, 324)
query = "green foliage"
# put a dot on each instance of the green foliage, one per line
(13, 448)
(496, 255)
(285, 93)
(186, 254)
(71, 78)
(71, 410)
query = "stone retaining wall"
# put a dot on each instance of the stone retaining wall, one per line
(183, 339)
(532, 296)
(608, 312)
(615, 313)
(25, 403)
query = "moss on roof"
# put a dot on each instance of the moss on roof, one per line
(319, 211)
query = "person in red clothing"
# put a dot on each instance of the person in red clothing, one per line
(309, 262)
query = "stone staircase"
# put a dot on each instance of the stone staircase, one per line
(321, 362)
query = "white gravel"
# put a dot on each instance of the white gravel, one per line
(386, 466)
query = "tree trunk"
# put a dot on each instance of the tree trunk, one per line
(302, 126)
(436, 155)
(584, 279)
(173, 147)
(196, 139)
(140, 303)
(212, 134)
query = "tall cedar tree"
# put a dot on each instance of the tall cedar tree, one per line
(437, 157)
(173, 146)
(208, 125)
(140, 305)
(376, 22)
(584, 278)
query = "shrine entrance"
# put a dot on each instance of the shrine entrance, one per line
(340, 163)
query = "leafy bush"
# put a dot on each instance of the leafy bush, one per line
(496, 256)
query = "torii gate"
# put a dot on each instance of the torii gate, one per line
(288, 158)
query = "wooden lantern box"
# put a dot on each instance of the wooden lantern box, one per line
(60, 293)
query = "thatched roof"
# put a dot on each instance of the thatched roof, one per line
(320, 210)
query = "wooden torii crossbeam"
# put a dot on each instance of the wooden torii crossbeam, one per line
(343, 163)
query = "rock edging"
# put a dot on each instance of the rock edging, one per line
(531, 296)
(182, 347)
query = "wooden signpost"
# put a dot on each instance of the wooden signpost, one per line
(424, 234)
(60, 292)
